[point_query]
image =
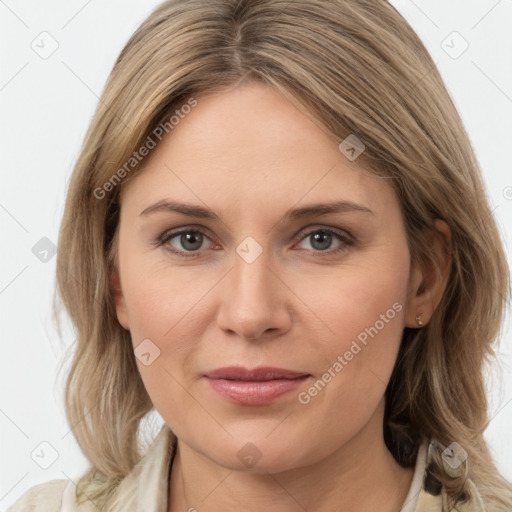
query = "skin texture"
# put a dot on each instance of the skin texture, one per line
(250, 155)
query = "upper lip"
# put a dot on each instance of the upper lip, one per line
(261, 373)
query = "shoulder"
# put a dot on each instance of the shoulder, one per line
(45, 497)
(434, 496)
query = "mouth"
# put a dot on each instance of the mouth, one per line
(259, 386)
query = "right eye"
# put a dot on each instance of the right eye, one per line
(190, 240)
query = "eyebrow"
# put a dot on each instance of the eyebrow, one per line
(292, 214)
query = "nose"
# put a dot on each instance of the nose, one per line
(255, 300)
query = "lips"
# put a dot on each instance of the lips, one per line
(261, 373)
(260, 386)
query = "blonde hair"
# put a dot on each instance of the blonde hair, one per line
(358, 68)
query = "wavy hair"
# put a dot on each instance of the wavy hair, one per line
(357, 67)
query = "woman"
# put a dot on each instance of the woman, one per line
(277, 236)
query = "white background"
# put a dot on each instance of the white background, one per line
(46, 105)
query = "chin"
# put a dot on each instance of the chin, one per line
(258, 454)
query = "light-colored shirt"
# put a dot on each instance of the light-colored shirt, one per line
(148, 486)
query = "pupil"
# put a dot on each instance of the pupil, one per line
(318, 237)
(193, 238)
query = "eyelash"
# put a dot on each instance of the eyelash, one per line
(347, 241)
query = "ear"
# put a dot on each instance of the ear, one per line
(117, 292)
(428, 280)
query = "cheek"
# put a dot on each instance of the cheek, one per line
(164, 310)
(362, 307)
(371, 306)
(160, 298)
(159, 312)
(357, 297)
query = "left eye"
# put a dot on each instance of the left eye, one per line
(321, 239)
(192, 240)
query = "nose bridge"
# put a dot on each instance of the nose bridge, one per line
(253, 301)
(251, 277)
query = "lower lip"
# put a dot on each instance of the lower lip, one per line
(255, 392)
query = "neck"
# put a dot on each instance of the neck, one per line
(360, 475)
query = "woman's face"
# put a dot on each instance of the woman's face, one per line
(262, 281)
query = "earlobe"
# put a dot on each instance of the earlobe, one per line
(430, 279)
(415, 312)
(120, 304)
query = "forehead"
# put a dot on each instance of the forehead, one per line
(250, 147)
